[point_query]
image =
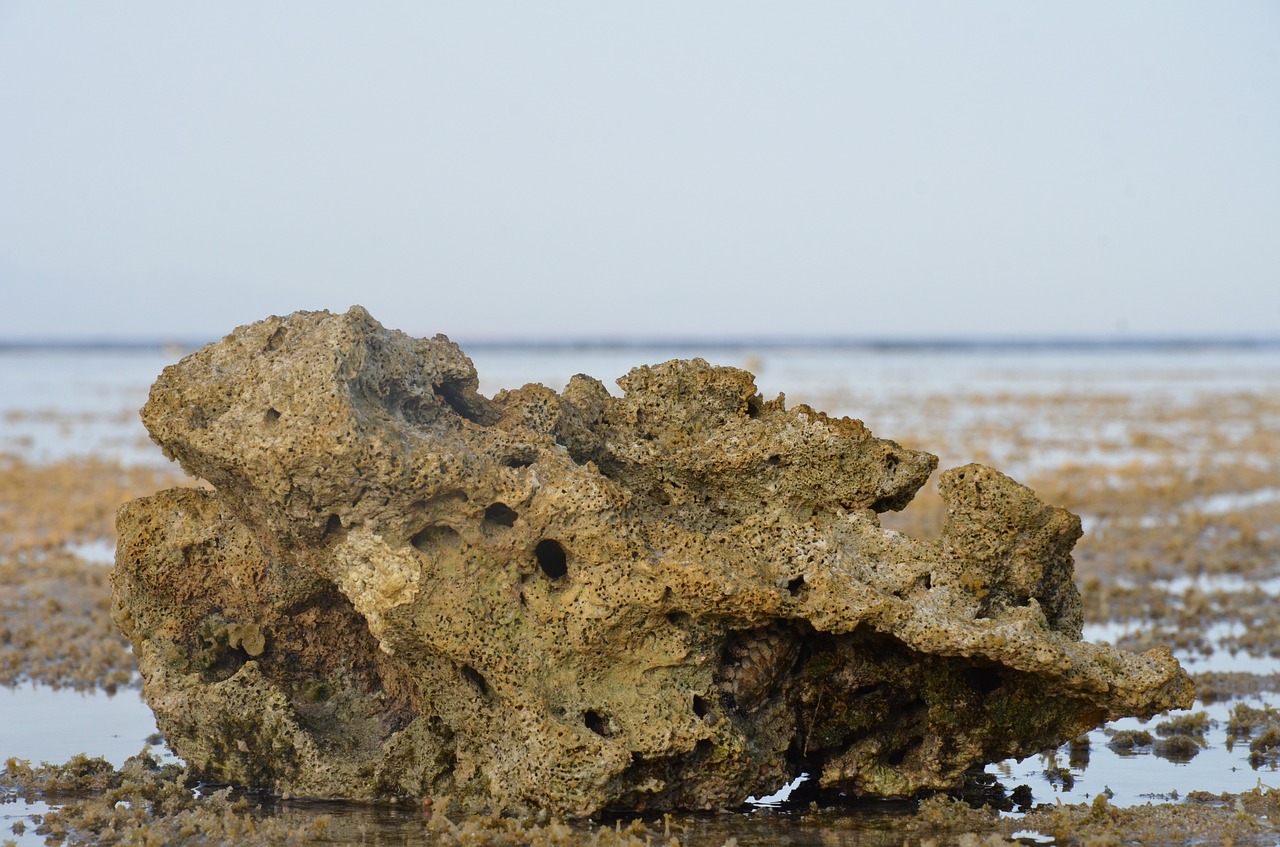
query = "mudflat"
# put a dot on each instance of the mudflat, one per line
(1174, 468)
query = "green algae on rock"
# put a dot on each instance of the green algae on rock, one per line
(675, 598)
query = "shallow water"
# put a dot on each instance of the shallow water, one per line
(51, 725)
(43, 724)
(1221, 660)
(1142, 777)
(57, 404)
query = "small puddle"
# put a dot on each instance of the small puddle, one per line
(43, 724)
(1134, 778)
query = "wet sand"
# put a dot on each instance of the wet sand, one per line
(1177, 477)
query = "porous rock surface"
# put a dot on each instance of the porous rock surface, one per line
(673, 598)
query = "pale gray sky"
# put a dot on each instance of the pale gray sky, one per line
(557, 170)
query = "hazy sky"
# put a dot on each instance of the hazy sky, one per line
(552, 170)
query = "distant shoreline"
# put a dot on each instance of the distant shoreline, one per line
(882, 345)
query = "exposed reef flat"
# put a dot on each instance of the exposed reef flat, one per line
(674, 598)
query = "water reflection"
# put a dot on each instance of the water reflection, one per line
(1131, 761)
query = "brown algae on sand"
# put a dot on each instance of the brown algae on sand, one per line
(145, 803)
(675, 598)
(55, 621)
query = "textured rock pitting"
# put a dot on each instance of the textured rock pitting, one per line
(674, 598)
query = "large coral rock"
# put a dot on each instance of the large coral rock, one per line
(674, 598)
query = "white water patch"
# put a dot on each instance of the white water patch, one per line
(1223, 504)
(1208, 583)
(1219, 583)
(1210, 505)
(1227, 659)
(780, 796)
(1222, 660)
(97, 552)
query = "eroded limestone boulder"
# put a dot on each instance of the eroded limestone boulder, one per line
(677, 597)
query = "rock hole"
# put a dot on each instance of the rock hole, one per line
(317, 691)
(271, 417)
(795, 586)
(500, 514)
(755, 405)
(700, 707)
(518, 462)
(596, 723)
(659, 495)
(983, 680)
(454, 393)
(551, 558)
(927, 582)
(334, 524)
(677, 618)
(897, 757)
(774, 459)
(434, 537)
(476, 679)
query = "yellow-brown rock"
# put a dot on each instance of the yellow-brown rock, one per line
(672, 598)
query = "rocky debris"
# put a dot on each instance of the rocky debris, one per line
(673, 598)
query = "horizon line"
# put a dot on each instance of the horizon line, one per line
(1047, 343)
